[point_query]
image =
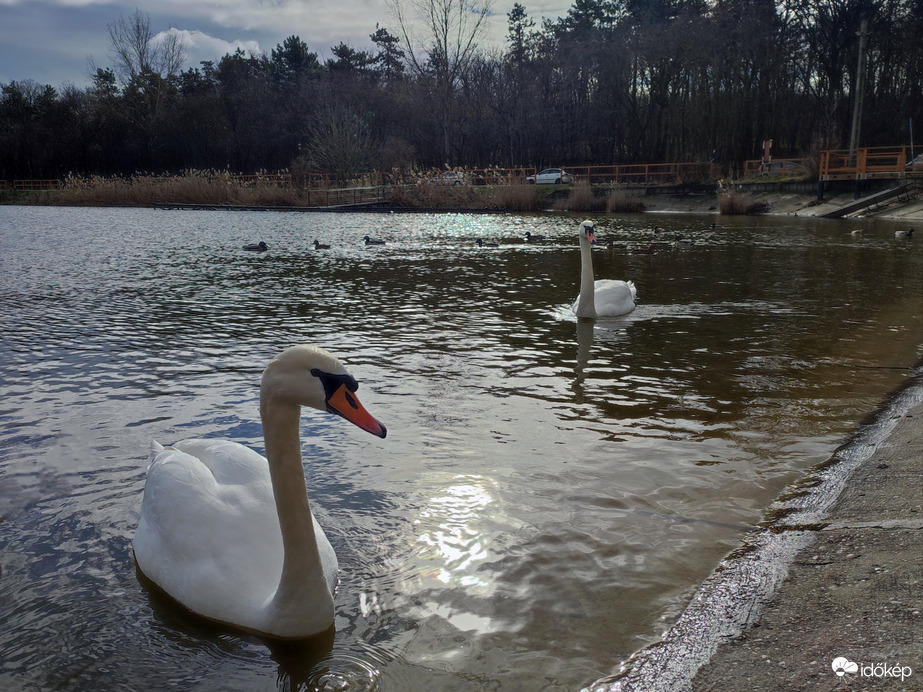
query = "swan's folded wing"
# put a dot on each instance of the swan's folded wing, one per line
(230, 463)
(196, 535)
(614, 297)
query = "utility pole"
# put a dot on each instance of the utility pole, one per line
(857, 97)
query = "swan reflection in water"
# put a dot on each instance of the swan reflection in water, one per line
(584, 346)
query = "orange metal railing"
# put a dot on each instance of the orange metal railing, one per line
(869, 162)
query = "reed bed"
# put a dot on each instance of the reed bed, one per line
(194, 187)
(438, 196)
(519, 198)
(581, 198)
(618, 202)
(736, 203)
(219, 188)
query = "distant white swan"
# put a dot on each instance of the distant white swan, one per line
(228, 533)
(603, 298)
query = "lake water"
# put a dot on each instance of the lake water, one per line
(550, 493)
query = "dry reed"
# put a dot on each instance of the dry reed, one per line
(437, 196)
(736, 203)
(519, 198)
(219, 188)
(193, 187)
(581, 198)
(618, 201)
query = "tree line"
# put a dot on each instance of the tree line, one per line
(614, 81)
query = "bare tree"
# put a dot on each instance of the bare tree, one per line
(137, 51)
(450, 32)
(339, 142)
(148, 66)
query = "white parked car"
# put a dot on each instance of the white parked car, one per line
(450, 178)
(551, 176)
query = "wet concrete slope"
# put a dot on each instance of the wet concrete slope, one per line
(833, 583)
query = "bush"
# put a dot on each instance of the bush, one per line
(617, 201)
(581, 198)
(519, 198)
(736, 203)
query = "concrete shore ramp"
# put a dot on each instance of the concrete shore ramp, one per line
(869, 201)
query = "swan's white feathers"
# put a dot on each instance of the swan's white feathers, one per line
(604, 297)
(222, 572)
(614, 297)
(213, 528)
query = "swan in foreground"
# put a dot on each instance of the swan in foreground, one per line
(603, 298)
(228, 533)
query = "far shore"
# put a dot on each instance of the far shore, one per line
(775, 198)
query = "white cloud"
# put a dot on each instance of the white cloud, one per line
(50, 41)
(200, 46)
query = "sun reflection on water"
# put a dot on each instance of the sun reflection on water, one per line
(450, 536)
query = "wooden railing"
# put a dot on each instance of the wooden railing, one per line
(869, 162)
(37, 184)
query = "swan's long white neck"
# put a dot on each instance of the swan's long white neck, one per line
(302, 591)
(586, 305)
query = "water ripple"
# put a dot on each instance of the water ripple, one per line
(548, 493)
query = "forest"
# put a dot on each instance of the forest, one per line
(614, 81)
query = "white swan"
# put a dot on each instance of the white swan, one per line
(603, 298)
(229, 534)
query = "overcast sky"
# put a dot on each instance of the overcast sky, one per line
(52, 41)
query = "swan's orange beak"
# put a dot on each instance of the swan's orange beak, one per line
(345, 403)
(590, 235)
